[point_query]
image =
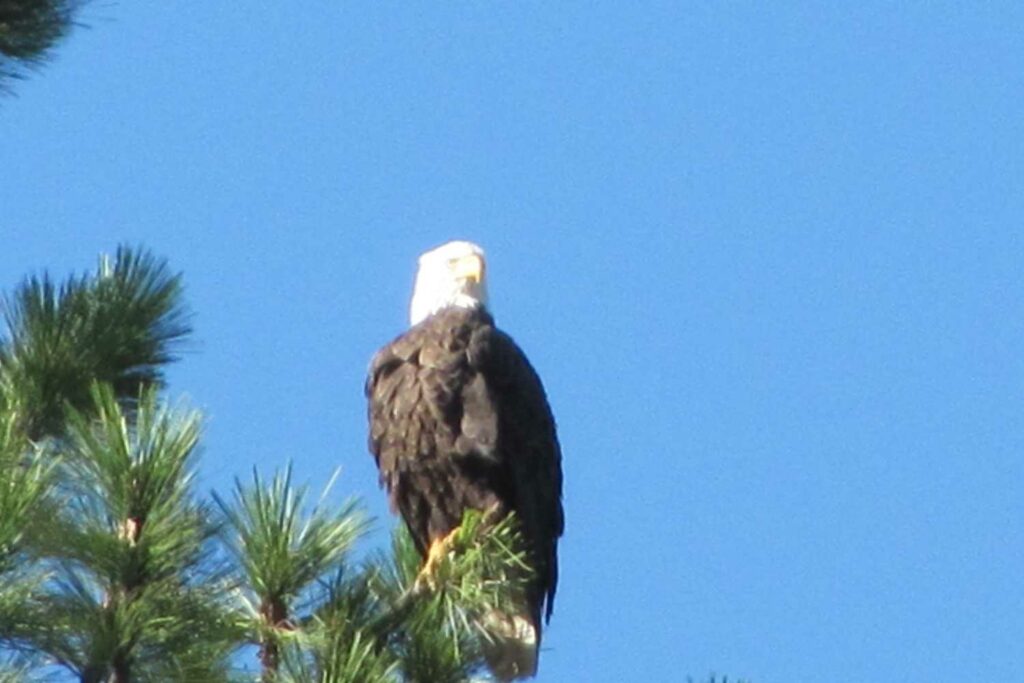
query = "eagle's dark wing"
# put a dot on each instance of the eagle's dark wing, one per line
(528, 448)
(421, 389)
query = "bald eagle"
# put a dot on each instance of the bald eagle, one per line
(459, 420)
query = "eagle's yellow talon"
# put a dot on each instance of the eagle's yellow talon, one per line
(427, 578)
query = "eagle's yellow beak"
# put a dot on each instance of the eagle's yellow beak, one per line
(469, 267)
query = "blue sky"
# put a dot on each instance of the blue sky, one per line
(767, 259)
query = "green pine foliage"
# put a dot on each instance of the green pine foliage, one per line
(115, 569)
(120, 326)
(28, 31)
(281, 552)
(107, 565)
(27, 475)
(439, 634)
(133, 592)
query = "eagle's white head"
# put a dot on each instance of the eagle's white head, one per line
(450, 275)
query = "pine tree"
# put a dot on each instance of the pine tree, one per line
(107, 564)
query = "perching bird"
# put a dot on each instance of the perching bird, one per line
(459, 420)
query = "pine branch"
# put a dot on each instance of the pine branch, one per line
(27, 476)
(444, 635)
(134, 589)
(381, 624)
(282, 552)
(119, 326)
(28, 31)
(336, 647)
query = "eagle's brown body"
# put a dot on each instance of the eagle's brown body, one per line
(459, 419)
